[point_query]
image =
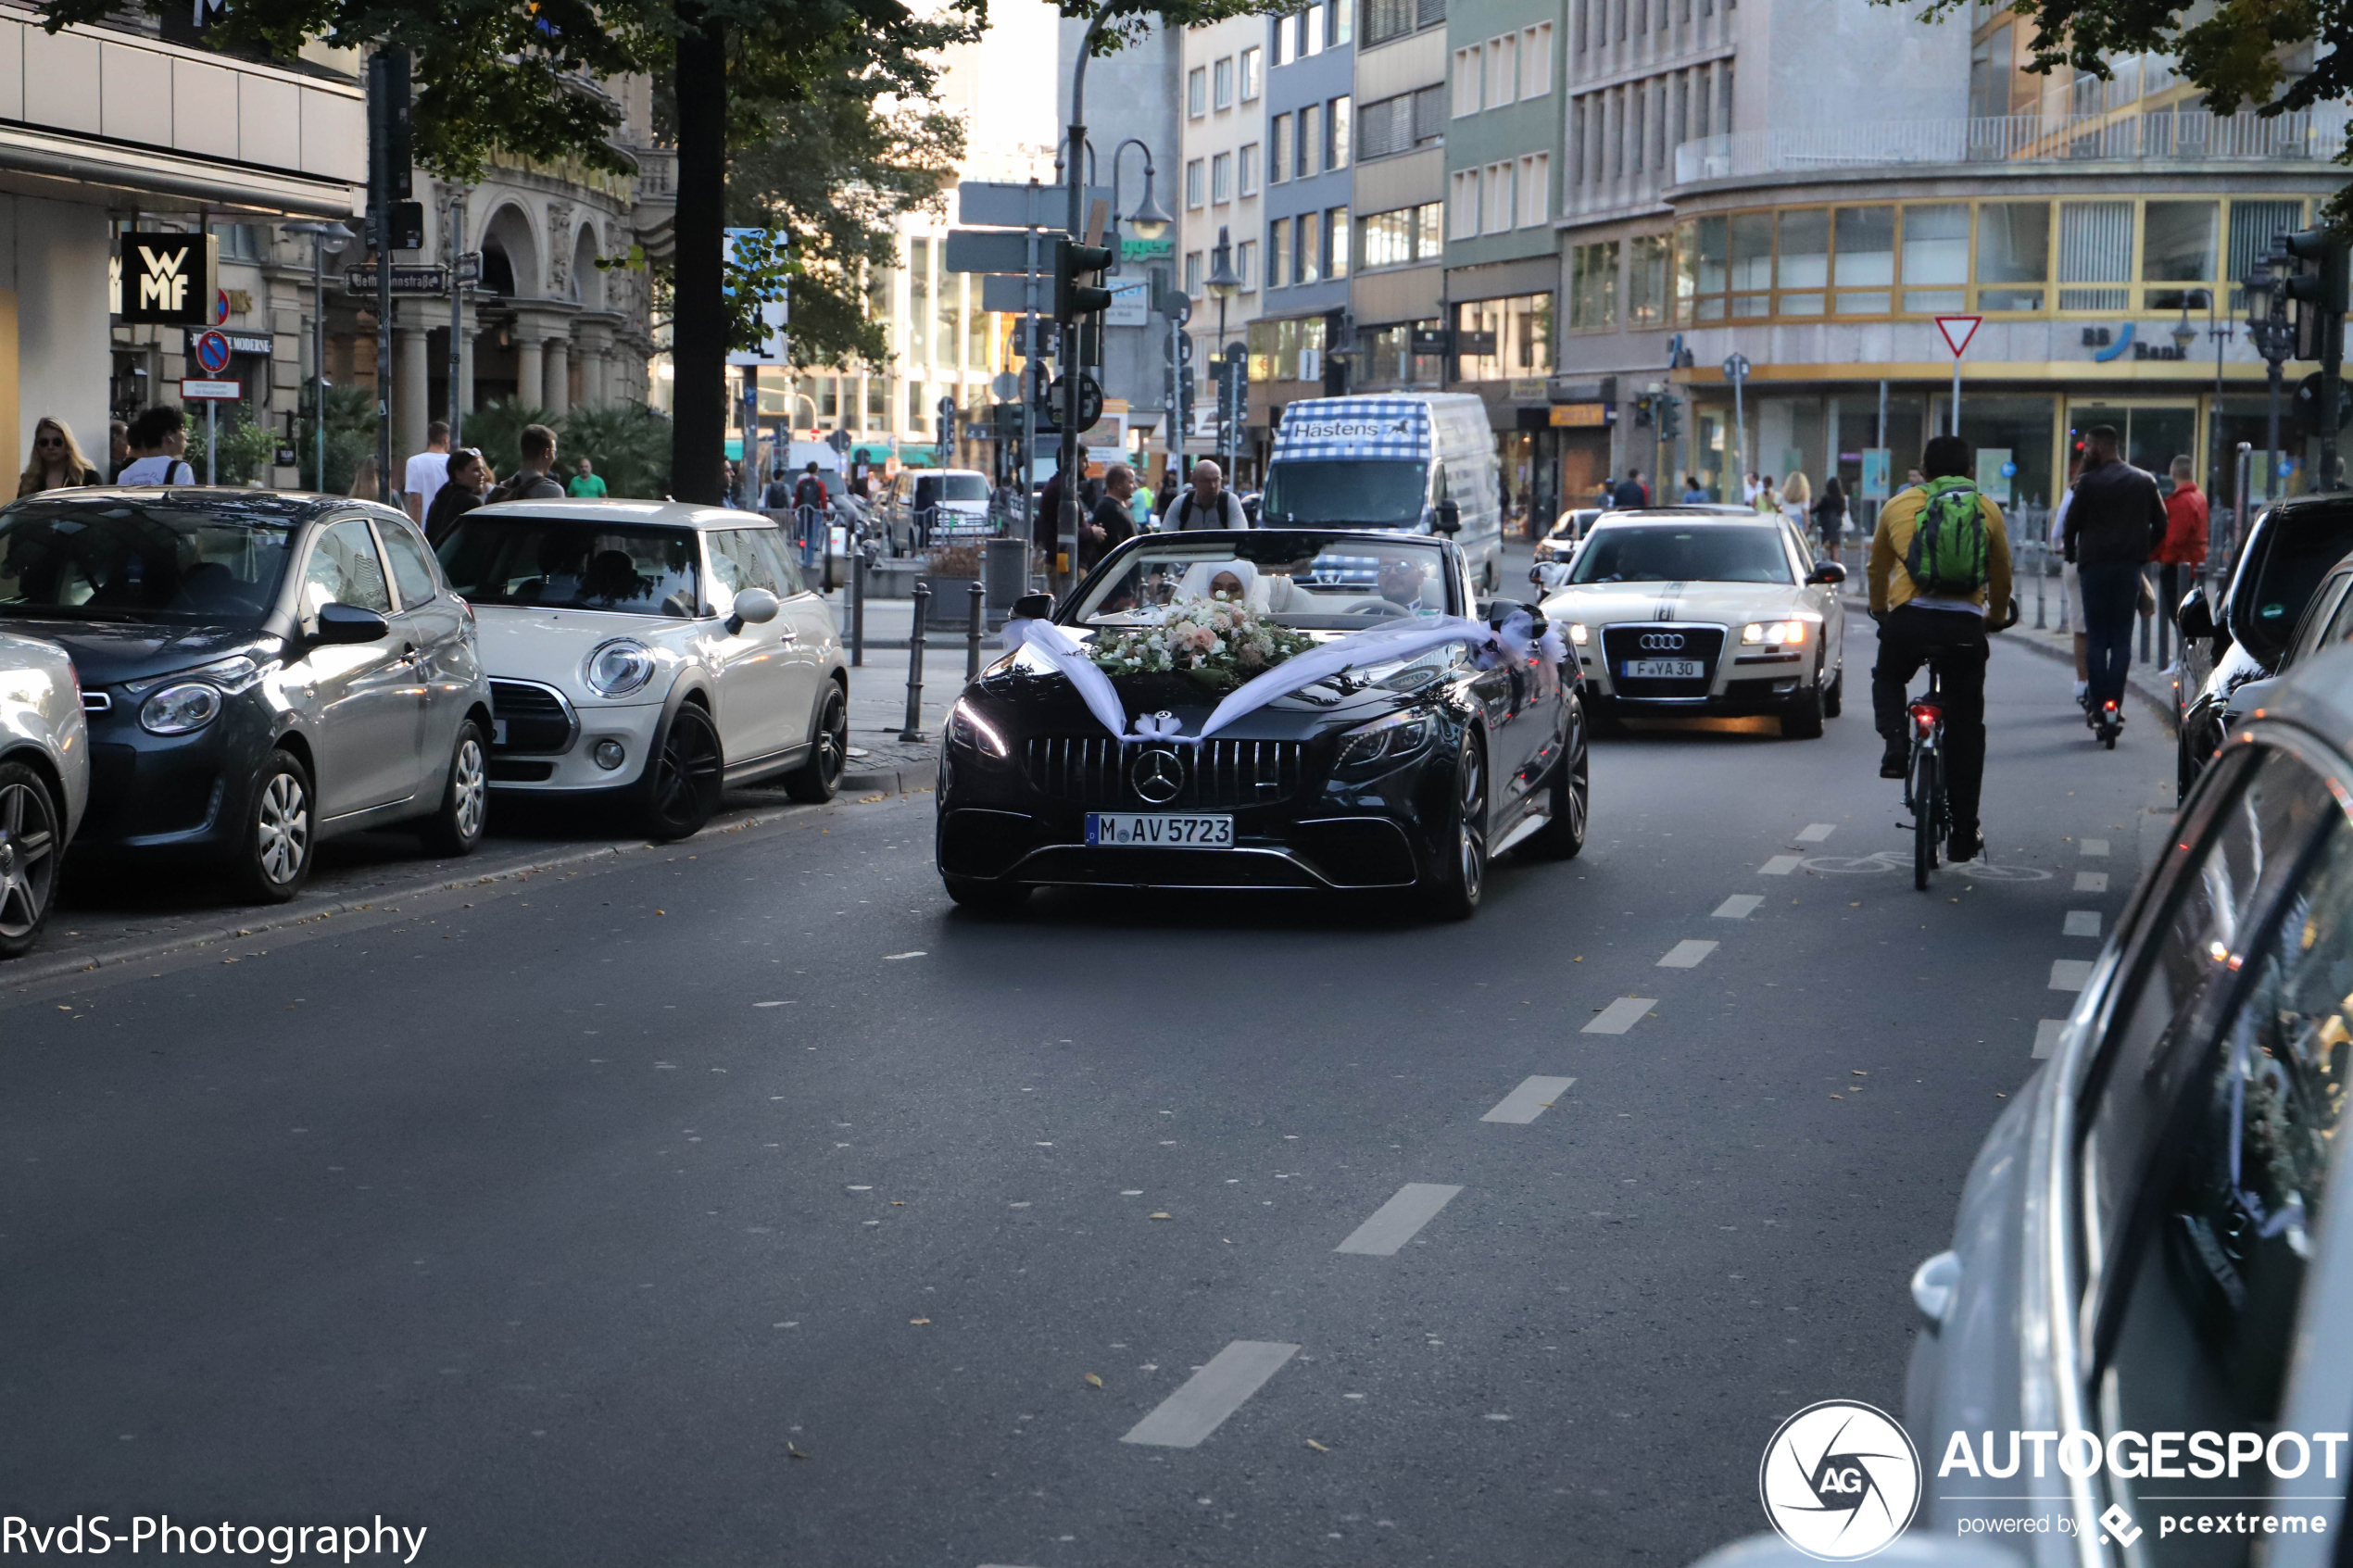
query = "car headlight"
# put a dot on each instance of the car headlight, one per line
(968, 729)
(233, 674)
(1578, 634)
(1393, 739)
(1773, 633)
(618, 668)
(181, 709)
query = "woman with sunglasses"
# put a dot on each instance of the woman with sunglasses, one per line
(57, 462)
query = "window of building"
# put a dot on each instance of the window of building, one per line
(1430, 238)
(1278, 253)
(2013, 246)
(916, 405)
(1339, 124)
(1535, 189)
(2177, 247)
(1250, 72)
(1336, 233)
(1521, 326)
(1279, 149)
(1936, 253)
(1311, 247)
(1221, 177)
(1429, 13)
(1502, 69)
(1866, 262)
(1647, 280)
(877, 404)
(1286, 40)
(951, 316)
(1593, 287)
(1386, 239)
(1221, 83)
(1429, 116)
(1194, 190)
(1197, 92)
(1311, 139)
(1989, 75)
(1311, 30)
(1246, 163)
(1385, 127)
(1385, 20)
(1751, 263)
(981, 331)
(1803, 271)
(1246, 265)
(2252, 225)
(1462, 202)
(1192, 273)
(1536, 61)
(1469, 71)
(919, 300)
(1343, 14)
(2096, 247)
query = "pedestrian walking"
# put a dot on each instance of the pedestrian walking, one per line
(1112, 524)
(157, 438)
(1766, 502)
(117, 450)
(1139, 506)
(2115, 521)
(427, 472)
(1830, 516)
(468, 478)
(586, 483)
(1797, 499)
(810, 501)
(1206, 503)
(1695, 493)
(2182, 551)
(363, 479)
(1630, 492)
(56, 463)
(531, 482)
(2072, 582)
(1749, 485)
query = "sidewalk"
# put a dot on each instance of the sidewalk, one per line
(879, 760)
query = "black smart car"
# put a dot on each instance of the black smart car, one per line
(260, 671)
(1404, 776)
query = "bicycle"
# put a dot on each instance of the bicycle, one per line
(1924, 795)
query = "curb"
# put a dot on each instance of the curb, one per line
(2156, 704)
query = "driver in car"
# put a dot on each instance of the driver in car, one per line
(1400, 582)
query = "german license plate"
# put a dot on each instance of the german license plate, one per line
(1664, 670)
(1156, 829)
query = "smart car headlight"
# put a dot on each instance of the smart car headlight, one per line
(1393, 739)
(619, 667)
(181, 709)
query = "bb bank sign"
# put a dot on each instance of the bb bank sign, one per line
(165, 280)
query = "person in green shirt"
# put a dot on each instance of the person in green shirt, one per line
(587, 485)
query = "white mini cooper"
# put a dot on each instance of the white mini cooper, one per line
(654, 651)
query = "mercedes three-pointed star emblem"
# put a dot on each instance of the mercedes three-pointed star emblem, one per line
(1157, 774)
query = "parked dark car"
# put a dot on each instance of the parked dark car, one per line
(2245, 634)
(260, 671)
(1402, 777)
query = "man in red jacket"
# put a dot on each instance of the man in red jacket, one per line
(2185, 542)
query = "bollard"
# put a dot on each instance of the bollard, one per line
(2145, 619)
(914, 730)
(2041, 573)
(972, 636)
(827, 547)
(858, 606)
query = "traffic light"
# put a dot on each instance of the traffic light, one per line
(1671, 419)
(1074, 262)
(2317, 285)
(1643, 407)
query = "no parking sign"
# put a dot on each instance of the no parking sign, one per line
(212, 353)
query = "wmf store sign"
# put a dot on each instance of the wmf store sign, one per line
(165, 280)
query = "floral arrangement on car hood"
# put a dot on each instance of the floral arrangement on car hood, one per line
(1220, 641)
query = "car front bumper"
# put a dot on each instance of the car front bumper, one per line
(546, 739)
(173, 796)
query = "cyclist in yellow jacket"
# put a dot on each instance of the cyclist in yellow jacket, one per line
(1946, 628)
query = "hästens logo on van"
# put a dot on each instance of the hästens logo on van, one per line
(1347, 430)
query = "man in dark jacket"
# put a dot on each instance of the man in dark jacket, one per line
(1630, 492)
(2114, 521)
(1111, 523)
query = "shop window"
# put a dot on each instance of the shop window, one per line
(2095, 248)
(1593, 287)
(1865, 264)
(1805, 261)
(2252, 225)
(2177, 247)
(1936, 252)
(2013, 246)
(1751, 263)
(1647, 280)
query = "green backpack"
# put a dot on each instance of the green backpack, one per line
(1949, 543)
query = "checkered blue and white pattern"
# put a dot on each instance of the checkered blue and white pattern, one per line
(1372, 428)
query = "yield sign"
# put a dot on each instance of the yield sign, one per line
(1957, 331)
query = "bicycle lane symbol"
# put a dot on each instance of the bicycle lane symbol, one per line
(1892, 860)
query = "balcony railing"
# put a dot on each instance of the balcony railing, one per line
(2172, 135)
(656, 173)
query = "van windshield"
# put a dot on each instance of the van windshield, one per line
(1343, 493)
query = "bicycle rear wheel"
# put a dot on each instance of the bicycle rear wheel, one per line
(1927, 802)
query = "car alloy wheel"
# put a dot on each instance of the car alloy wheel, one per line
(1471, 807)
(1570, 791)
(472, 783)
(683, 783)
(29, 858)
(457, 827)
(815, 781)
(285, 828)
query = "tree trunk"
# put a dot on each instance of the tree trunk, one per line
(698, 332)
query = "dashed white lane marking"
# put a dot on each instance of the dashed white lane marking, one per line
(1394, 1223)
(2070, 974)
(1740, 906)
(1780, 865)
(2090, 882)
(1814, 833)
(1526, 1103)
(2093, 845)
(893, 958)
(1216, 1391)
(1620, 1015)
(2046, 1036)
(1686, 954)
(2083, 923)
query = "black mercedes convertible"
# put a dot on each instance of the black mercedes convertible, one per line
(1405, 774)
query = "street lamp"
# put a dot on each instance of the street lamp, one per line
(1224, 283)
(326, 239)
(1148, 220)
(2274, 338)
(2221, 332)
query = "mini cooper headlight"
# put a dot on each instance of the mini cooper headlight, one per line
(1393, 739)
(968, 729)
(618, 668)
(181, 709)
(1773, 633)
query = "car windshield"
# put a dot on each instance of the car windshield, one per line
(562, 563)
(2305, 542)
(932, 489)
(1315, 582)
(1345, 492)
(216, 561)
(1680, 552)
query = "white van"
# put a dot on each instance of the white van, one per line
(1389, 460)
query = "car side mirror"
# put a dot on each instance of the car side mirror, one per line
(1549, 574)
(756, 606)
(1828, 573)
(341, 622)
(2195, 616)
(1034, 607)
(1449, 519)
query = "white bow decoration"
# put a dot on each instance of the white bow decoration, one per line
(1161, 726)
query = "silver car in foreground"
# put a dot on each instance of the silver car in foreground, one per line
(44, 783)
(2149, 1297)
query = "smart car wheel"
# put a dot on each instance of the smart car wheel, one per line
(274, 863)
(1563, 836)
(684, 779)
(815, 781)
(30, 854)
(465, 802)
(1459, 877)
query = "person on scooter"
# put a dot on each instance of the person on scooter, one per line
(2115, 521)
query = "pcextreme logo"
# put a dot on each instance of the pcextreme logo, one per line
(1840, 1481)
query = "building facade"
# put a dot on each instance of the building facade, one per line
(1397, 285)
(1222, 200)
(1307, 253)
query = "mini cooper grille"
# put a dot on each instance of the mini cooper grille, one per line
(1621, 644)
(1088, 770)
(534, 719)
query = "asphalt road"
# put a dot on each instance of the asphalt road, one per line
(742, 1202)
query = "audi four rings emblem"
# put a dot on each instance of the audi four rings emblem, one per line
(1158, 775)
(1661, 642)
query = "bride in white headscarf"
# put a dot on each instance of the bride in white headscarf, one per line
(1238, 580)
